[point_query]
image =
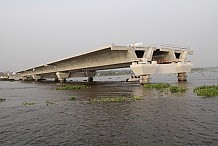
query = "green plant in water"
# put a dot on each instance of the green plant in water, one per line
(116, 99)
(72, 98)
(50, 102)
(109, 99)
(72, 87)
(28, 103)
(157, 85)
(136, 98)
(207, 91)
(2, 99)
(177, 89)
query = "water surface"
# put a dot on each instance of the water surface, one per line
(158, 119)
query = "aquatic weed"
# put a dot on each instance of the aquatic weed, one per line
(157, 85)
(207, 91)
(177, 89)
(28, 103)
(50, 102)
(116, 99)
(72, 87)
(136, 97)
(109, 99)
(72, 98)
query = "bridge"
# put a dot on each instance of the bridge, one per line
(142, 60)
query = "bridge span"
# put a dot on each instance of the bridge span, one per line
(142, 60)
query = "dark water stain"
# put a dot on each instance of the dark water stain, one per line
(157, 119)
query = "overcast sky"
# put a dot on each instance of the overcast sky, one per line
(34, 32)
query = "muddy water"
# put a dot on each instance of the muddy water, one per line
(157, 119)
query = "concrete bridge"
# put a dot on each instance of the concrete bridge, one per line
(143, 61)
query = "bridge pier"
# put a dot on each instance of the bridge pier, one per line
(144, 79)
(62, 76)
(90, 74)
(90, 79)
(24, 78)
(36, 77)
(182, 77)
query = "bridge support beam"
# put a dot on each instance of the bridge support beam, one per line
(36, 77)
(182, 77)
(144, 79)
(62, 76)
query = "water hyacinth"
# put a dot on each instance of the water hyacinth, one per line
(207, 91)
(28, 103)
(157, 85)
(72, 98)
(50, 102)
(116, 99)
(72, 87)
(177, 89)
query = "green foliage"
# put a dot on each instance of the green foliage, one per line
(157, 85)
(165, 87)
(2, 99)
(177, 89)
(207, 91)
(50, 102)
(72, 87)
(136, 98)
(28, 103)
(116, 99)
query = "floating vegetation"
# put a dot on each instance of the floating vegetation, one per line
(2, 99)
(28, 103)
(157, 85)
(136, 97)
(72, 98)
(165, 87)
(116, 99)
(207, 91)
(50, 102)
(72, 87)
(177, 89)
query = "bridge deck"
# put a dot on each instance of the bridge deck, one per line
(111, 57)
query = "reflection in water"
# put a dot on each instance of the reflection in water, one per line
(160, 118)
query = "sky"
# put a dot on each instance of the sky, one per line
(35, 32)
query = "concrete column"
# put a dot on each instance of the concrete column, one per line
(24, 78)
(90, 74)
(63, 80)
(90, 79)
(62, 76)
(182, 77)
(36, 77)
(144, 79)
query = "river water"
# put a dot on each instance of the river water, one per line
(157, 119)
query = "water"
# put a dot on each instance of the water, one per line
(157, 119)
